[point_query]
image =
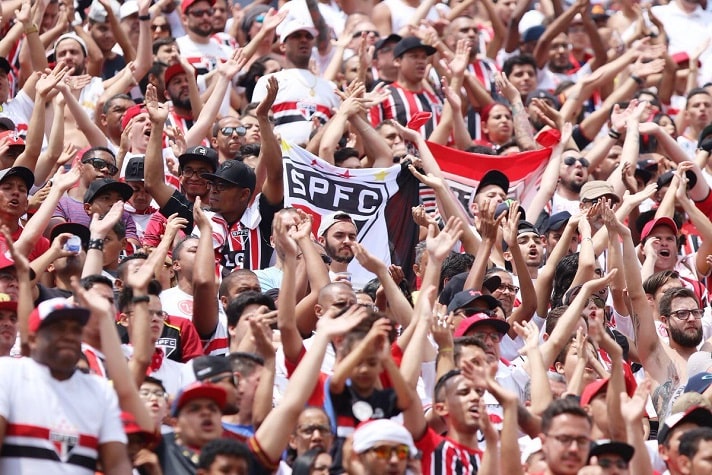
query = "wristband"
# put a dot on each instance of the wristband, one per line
(637, 79)
(145, 17)
(444, 350)
(97, 244)
(141, 299)
(31, 29)
(614, 134)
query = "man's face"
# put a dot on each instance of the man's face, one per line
(177, 91)
(165, 54)
(131, 27)
(199, 18)
(246, 390)
(552, 238)
(228, 140)
(393, 139)
(13, 197)
(4, 87)
(298, 47)
(477, 356)
(531, 248)
(8, 330)
(577, 34)
(671, 283)
(226, 465)
(505, 293)
(573, 176)
(685, 333)
(49, 19)
(464, 28)
(103, 36)
(252, 129)
(199, 422)
(699, 110)
(614, 464)
(701, 463)
(461, 405)
(140, 199)
(185, 261)
(384, 61)
(559, 53)
(88, 169)
(523, 78)
(670, 452)
(383, 458)
(413, 65)
(491, 338)
(489, 192)
(160, 29)
(190, 178)
(338, 239)
(226, 197)
(112, 119)
(156, 401)
(313, 430)
(609, 163)
(156, 316)
(665, 246)
(228, 383)
(338, 297)
(58, 345)
(219, 16)
(113, 245)
(102, 202)
(566, 444)
(241, 284)
(73, 56)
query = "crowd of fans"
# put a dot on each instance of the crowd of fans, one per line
(163, 312)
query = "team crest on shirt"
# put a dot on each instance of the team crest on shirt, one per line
(307, 109)
(63, 444)
(168, 345)
(186, 306)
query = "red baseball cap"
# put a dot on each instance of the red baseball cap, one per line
(480, 319)
(601, 385)
(199, 390)
(186, 4)
(130, 113)
(664, 221)
(56, 309)
(13, 138)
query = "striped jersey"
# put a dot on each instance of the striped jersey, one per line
(403, 104)
(442, 456)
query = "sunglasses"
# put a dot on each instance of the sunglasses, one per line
(568, 161)
(99, 164)
(200, 13)
(385, 452)
(240, 130)
(368, 33)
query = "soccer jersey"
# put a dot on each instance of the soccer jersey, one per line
(54, 426)
(442, 456)
(203, 57)
(402, 104)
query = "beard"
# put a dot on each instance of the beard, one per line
(686, 339)
(333, 252)
(181, 103)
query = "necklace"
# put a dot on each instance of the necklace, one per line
(303, 82)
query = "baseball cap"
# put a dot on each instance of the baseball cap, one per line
(494, 177)
(130, 113)
(698, 383)
(172, 71)
(410, 43)
(235, 172)
(601, 385)
(504, 206)
(546, 95)
(697, 414)
(209, 366)
(329, 220)
(107, 184)
(533, 33)
(371, 433)
(466, 298)
(134, 169)
(131, 427)
(598, 12)
(666, 178)
(12, 137)
(186, 4)
(683, 57)
(97, 12)
(592, 190)
(392, 38)
(480, 319)
(664, 221)
(201, 154)
(24, 173)
(5, 65)
(293, 25)
(7, 304)
(127, 9)
(5, 122)
(54, 310)
(198, 390)
(71, 36)
(71, 228)
(607, 446)
(556, 221)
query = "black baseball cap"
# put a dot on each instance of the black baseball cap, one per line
(101, 185)
(134, 169)
(234, 172)
(200, 153)
(555, 222)
(410, 43)
(392, 38)
(71, 228)
(210, 366)
(603, 447)
(466, 299)
(494, 177)
(546, 95)
(24, 173)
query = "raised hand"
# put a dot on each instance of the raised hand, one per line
(332, 327)
(174, 223)
(510, 224)
(100, 226)
(489, 225)
(438, 247)
(506, 88)
(157, 111)
(264, 107)
(421, 217)
(367, 260)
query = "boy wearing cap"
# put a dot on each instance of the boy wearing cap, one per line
(46, 395)
(407, 96)
(672, 430)
(382, 446)
(302, 96)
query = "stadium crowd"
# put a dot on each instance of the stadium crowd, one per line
(493, 257)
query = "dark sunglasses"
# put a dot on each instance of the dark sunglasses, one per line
(200, 13)
(241, 131)
(99, 164)
(368, 32)
(568, 161)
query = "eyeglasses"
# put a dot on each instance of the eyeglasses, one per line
(200, 13)
(307, 431)
(385, 452)
(608, 463)
(155, 27)
(154, 313)
(493, 337)
(368, 33)
(147, 393)
(325, 259)
(220, 186)
(567, 440)
(685, 314)
(99, 164)
(241, 131)
(508, 288)
(598, 302)
(189, 172)
(568, 161)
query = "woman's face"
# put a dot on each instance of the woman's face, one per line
(499, 125)
(321, 464)
(668, 125)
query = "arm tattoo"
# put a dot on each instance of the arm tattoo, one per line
(522, 128)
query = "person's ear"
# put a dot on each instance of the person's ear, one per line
(441, 409)
(87, 209)
(118, 284)
(559, 367)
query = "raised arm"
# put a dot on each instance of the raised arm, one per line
(204, 287)
(154, 178)
(270, 159)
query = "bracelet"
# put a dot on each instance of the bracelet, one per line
(141, 299)
(587, 239)
(97, 244)
(31, 29)
(445, 350)
(614, 134)
(637, 79)
(146, 17)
